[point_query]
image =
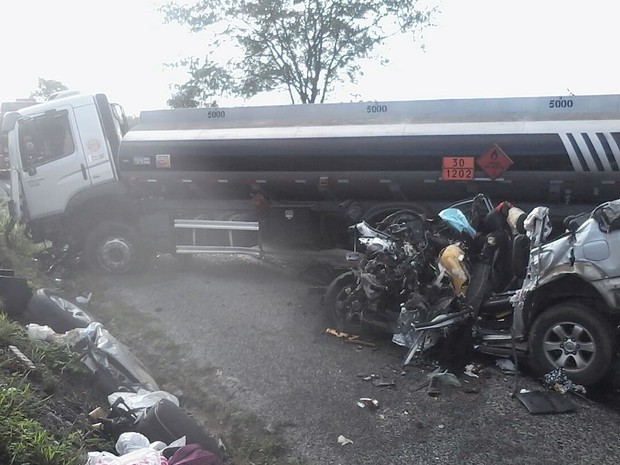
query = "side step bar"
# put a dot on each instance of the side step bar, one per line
(219, 237)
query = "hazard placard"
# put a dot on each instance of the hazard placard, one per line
(494, 162)
(457, 168)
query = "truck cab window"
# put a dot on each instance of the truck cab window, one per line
(45, 138)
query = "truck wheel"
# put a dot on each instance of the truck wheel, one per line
(56, 310)
(113, 247)
(574, 337)
(343, 310)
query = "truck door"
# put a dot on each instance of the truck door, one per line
(95, 145)
(53, 163)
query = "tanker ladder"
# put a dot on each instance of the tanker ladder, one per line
(218, 237)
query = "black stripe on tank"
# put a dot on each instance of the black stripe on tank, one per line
(595, 157)
(608, 153)
(577, 150)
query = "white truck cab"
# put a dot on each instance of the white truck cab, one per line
(57, 149)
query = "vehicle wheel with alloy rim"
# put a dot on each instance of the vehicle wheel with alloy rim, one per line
(574, 337)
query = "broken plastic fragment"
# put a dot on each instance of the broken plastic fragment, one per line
(368, 402)
(445, 378)
(506, 365)
(432, 389)
(383, 383)
(344, 441)
(469, 371)
(84, 300)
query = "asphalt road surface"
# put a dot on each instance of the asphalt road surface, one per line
(265, 330)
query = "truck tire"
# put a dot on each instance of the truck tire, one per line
(113, 247)
(337, 305)
(574, 337)
(56, 310)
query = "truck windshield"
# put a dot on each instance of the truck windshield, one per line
(45, 138)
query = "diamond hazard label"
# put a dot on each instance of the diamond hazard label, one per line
(494, 162)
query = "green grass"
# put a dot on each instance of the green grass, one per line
(23, 439)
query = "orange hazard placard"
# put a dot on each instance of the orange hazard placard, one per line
(457, 168)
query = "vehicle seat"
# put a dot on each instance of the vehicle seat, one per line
(520, 255)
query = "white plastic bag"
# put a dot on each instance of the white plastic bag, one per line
(143, 398)
(40, 332)
(131, 441)
(146, 456)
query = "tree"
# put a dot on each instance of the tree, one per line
(48, 87)
(302, 46)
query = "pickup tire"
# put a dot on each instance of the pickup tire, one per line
(574, 337)
(57, 310)
(113, 247)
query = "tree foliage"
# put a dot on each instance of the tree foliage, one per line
(302, 46)
(48, 87)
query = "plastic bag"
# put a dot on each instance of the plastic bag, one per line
(143, 398)
(131, 441)
(40, 332)
(145, 456)
(104, 352)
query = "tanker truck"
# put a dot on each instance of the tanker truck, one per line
(243, 179)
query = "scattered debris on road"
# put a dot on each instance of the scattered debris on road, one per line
(344, 441)
(544, 402)
(350, 338)
(367, 402)
(507, 366)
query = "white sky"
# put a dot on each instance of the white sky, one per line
(478, 48)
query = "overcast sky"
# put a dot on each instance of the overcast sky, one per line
(478, 48)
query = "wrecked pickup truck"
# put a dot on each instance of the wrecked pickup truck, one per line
(489, 278)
